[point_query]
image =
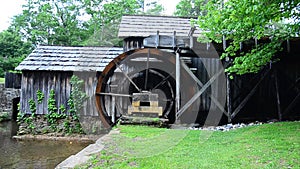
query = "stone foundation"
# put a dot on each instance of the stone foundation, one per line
(7, 95)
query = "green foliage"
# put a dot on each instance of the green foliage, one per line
(2, 80)
(51, 102)
(9, 64)
(30, 122)
(40, 96)
(190, 8)
(20, 115)
(62, 109)
(12, 50)
(4, 116)
(53, 116)
(12, 45)
(64, 22)
(241, 20)
(56, 22)
(77, 95)
(29, 119)
(32, 106)
(56, 118)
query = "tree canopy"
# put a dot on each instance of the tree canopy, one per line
(243, 20)
(12, 50)
(191, 8)
(76, 22)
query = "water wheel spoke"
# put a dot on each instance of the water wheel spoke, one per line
(114, 94)
(130, 80)
(147, 70)
(163, 81)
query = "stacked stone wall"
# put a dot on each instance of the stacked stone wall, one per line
(7, 95)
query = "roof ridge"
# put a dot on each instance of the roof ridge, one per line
(163, 16)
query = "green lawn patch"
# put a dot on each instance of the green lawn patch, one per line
(2, 80)
(274, 145)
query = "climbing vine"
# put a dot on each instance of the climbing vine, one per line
(32, 106)
(40, 96)
(53, 115)
(56, 118)
(76, 100)
(77, 95)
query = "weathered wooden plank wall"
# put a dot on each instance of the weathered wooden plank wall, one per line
(13, 80)
(131, 43)
(90, 83)
(32, 81)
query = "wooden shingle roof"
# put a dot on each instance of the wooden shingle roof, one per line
(61, 58)
(145, 25)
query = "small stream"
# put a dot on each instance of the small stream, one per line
(32, 154)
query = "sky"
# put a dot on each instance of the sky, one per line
(13, 7)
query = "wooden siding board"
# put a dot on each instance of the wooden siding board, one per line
(44, 81)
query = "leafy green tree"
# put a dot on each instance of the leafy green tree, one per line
(243, 20)
(55, 22)
(12, 50)
(76, 22)
(191, 8)
(105, 19)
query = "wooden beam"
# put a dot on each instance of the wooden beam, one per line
(218, 104)
(163, 81)
(130, 80)
(224, 42)
(243, 103)
(228, 96)
(177, 73)
(288, 46)
(114, 94)
(277, 96)
(292, 104)
(113, 112)
(198, 94)
(174, 40)
(147, 70)
(256, 42)
(157, 39)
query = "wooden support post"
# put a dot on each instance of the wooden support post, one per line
(157, 39)
(256, 43)
(277, 96)
(192, 30)
(177, 84)
(174, 40)
(224, 42)
(113, 112)
(228, 96)
(207, 45)
(241, 46)
(147, 70)
(288, 46)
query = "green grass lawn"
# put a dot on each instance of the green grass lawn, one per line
(274, 145)
(2, 80)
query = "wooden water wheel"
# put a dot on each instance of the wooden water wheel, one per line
(146, 72)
